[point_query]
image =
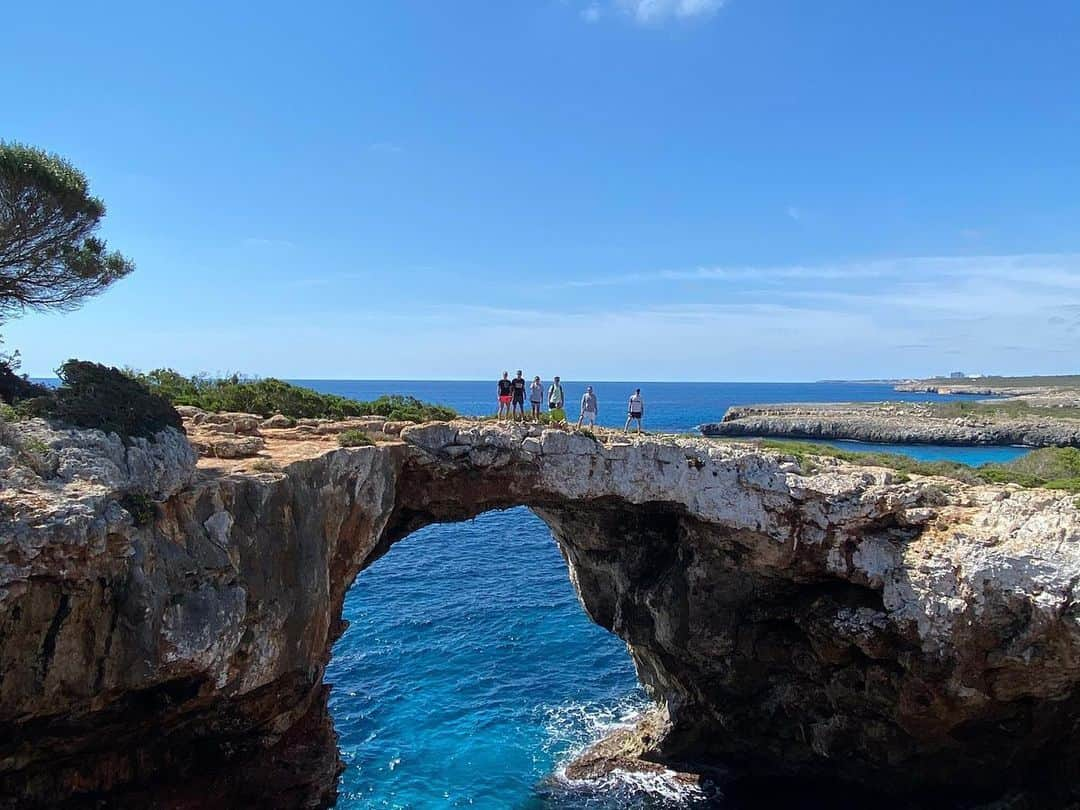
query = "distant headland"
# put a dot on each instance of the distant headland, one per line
(1030, 411)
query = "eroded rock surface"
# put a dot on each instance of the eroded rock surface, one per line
(908, 635)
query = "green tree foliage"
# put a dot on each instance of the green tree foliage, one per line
(50, 257)
(270, 396)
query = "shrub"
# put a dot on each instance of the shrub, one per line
(270, 396)
(265, 465)
(1049, 462)
(401, 408)
(15, 386)
(96, 396)
(1066, 484)
(354, 438)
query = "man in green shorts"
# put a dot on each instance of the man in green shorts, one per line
(556, 402)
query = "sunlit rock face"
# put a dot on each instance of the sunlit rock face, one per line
(841, 624)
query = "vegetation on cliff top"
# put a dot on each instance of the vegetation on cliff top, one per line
(1047, 467)
(131, 403)
(354, 438)
(1017, 409)
(91, 395)
(270, 396)
(13, 385)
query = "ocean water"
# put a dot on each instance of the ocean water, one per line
(470, 675)
(669, 406)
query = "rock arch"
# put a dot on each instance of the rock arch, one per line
(840, 623)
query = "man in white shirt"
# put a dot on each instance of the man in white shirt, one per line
(635, 410)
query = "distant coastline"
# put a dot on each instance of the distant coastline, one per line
(1007, 423)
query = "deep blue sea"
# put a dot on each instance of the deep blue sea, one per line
(469, 673)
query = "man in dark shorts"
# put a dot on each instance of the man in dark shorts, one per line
(517, 385)
(635, 410)
(505, 396)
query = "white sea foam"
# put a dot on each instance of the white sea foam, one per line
(574, 727)
(664, 785)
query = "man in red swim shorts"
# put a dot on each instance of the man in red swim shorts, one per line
(506, 391)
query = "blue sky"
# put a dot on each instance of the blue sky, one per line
(618, 189)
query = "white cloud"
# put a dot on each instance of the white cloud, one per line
(386, 148)
(591, 14)
(1052, 270)
(794, 213)
(655, 11)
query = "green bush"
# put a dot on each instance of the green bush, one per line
(1049, 462)
(354, 438)
(1066, 484)
(270, 396)
(96, 396)
(15, 386)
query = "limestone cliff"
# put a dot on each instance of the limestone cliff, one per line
(164, 628)
(894, 423)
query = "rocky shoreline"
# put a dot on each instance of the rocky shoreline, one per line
(165, 622)
(893, 423)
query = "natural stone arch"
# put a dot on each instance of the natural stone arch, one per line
(841, 623)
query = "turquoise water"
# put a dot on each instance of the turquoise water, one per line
(469, 673)
(933, 452)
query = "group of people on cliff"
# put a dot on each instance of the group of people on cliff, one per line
(512, 402)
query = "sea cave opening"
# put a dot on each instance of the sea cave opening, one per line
(469, 673)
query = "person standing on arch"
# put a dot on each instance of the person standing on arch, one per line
(517, 385)
(635, 410)
(589, 408)
(556, 403)
(505, 396)
(536, 397)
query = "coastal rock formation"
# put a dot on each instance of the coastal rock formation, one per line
(164, 629)
(893, 423)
